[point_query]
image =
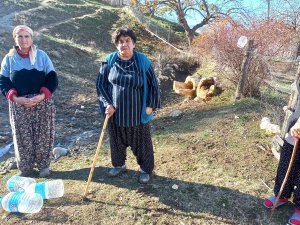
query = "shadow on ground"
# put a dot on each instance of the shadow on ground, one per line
(191, 199)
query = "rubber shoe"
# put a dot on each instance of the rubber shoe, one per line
(116, 171)
(144, 177)
(269, 202)
(45, 172)
(295, 218)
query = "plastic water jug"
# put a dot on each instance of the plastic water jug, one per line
(22, 202)
(18, 183)
(48, 189)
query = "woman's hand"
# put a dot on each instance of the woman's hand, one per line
(110, 110)
(149, 110)
(37, 99)
(29, 102)
(295, 130)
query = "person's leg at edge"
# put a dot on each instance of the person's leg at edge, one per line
(295, 219)
(285, 157)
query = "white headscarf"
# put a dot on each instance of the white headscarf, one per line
(32, 50)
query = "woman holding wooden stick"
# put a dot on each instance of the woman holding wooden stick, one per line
(288, 172)
(128, 93)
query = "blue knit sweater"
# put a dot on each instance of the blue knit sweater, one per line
(18, 73)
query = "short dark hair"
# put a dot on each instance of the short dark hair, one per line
(123, 31)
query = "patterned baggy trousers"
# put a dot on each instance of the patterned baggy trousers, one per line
(138, 138)
(33, 134)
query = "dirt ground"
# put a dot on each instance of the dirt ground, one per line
(213, 164)
(209, 170)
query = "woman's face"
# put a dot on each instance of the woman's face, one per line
(125, 47)
(23, 40)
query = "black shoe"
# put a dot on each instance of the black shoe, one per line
(144, 177)
(115, 171)
(45, 172)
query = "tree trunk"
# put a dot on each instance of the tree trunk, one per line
(190, 36)
(182, 21)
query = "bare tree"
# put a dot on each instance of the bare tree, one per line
(219, 41)
(206, 11)
(268, 10)
(288, 11)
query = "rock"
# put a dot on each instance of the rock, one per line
(11, 164)
(5, 149)
(71, 66)
(59, 151)
(55, 54)
(175, 113)
(273, 129)
(84, 141)
(77, 111)
(175, 187)
(2, 172)
(4, 138)
(265, 122)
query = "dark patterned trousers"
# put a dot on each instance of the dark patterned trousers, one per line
(138, 138)
(293, 183)
(33, 134)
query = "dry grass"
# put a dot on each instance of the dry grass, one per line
(210, 152)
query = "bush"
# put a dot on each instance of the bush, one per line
(219, 40)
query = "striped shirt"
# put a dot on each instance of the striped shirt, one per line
(122, 87)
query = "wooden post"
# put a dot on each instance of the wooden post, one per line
(244, 70)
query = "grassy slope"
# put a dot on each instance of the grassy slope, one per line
(211, 152)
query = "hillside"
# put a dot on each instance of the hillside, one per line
(212, 152)
(76, 35)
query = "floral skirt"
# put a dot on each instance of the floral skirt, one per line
(33, 133)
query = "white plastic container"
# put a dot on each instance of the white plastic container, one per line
(265, 123)
(48, 189)
(18, 183)
(242, 41)
(22, 202)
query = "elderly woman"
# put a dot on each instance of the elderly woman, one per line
(292, 185)
(128, 92)
(27, 80)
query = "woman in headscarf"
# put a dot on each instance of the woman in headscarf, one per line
(28, 80)
(128, 92)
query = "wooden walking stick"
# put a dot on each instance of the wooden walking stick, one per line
(96, 156)
(286, 176)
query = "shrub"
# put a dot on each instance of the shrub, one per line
(219, 40)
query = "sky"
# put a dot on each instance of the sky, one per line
(251, 5)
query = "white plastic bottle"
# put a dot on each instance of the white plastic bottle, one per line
(18, 183)
(48, 189)
(22, 202)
